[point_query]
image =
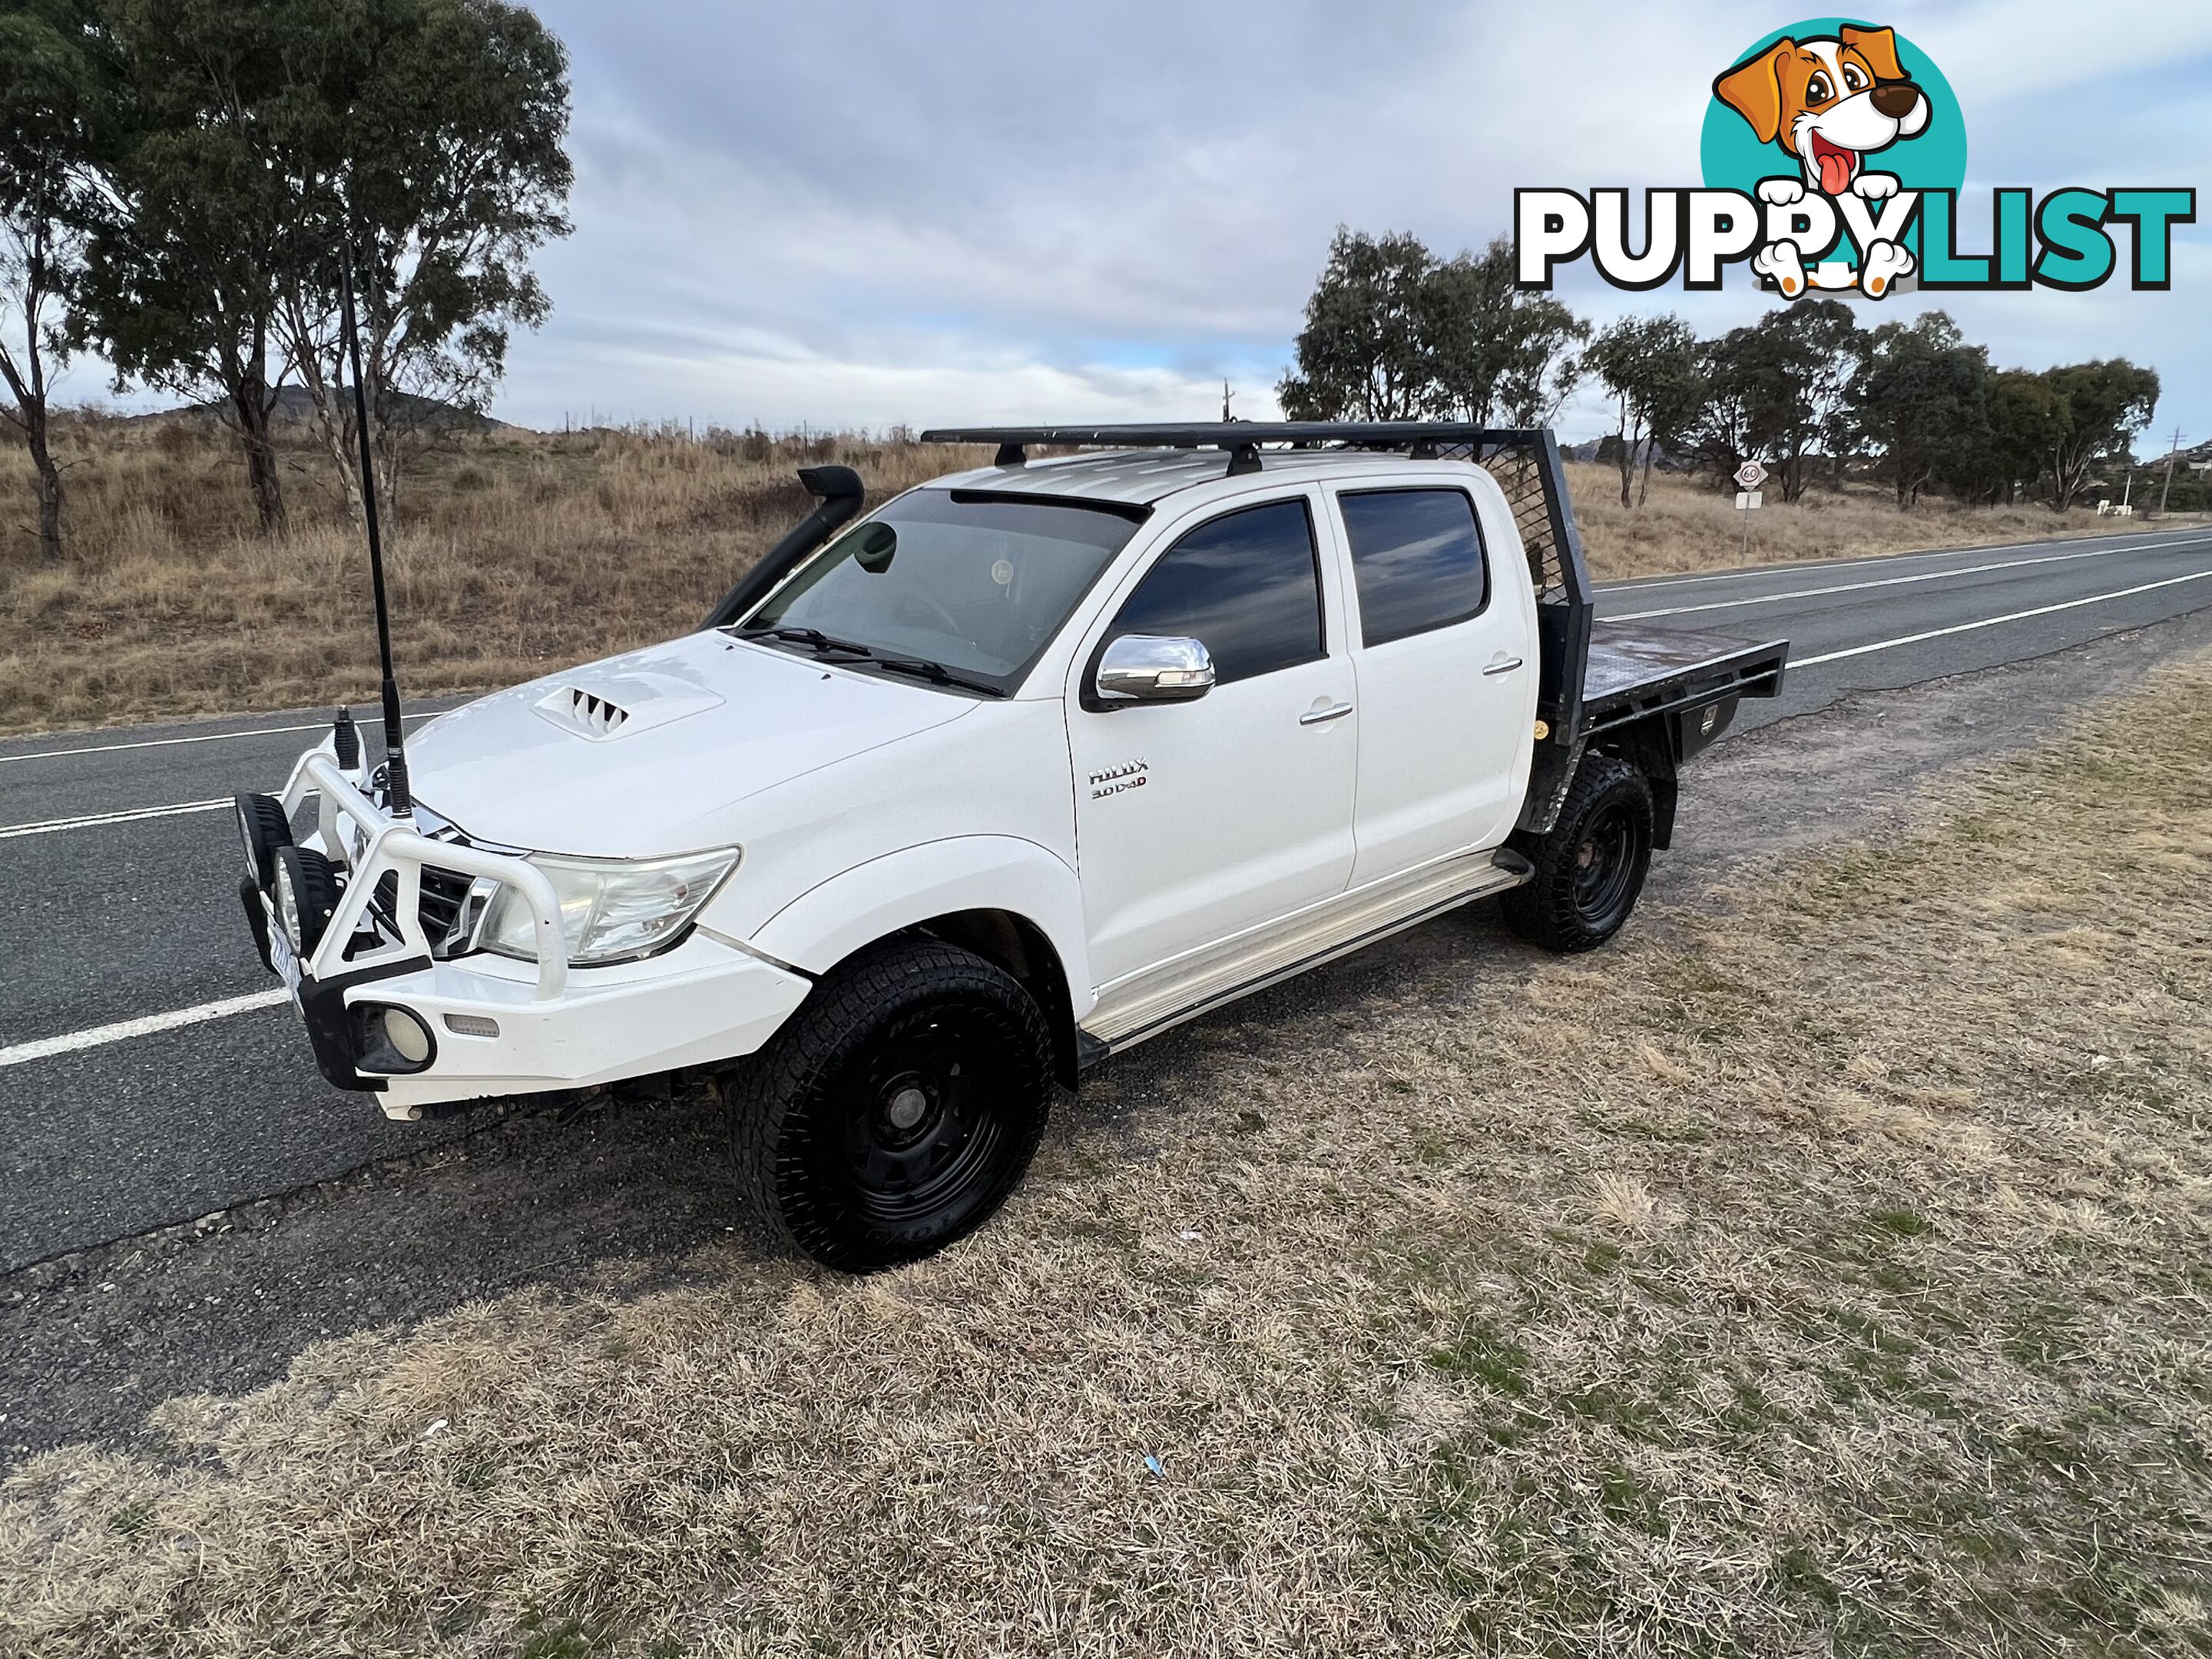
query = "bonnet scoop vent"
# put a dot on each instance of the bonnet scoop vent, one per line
(594, 714)
(604, 707)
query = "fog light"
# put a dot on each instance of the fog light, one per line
(391, 1041)
(409, 1038)
(471, 1025)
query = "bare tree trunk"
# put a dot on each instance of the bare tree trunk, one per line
(49, 484)
(249, 402)
(1643, 489)
(27, 384)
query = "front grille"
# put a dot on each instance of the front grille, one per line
(444, 894)
(442, 908)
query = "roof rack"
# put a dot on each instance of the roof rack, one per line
(1422, 439)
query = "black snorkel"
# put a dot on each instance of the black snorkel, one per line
(837, 492)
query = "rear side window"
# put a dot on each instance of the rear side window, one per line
(1246, 585)
(1416, 555)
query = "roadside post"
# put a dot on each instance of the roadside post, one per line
(1748, 478)
(2166, 485)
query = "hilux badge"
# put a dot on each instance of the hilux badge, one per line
(1114, 780)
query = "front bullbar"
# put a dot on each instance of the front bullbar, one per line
(369, 841)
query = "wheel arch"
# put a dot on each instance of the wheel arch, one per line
(1010, 900)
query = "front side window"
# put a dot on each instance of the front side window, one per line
(978, 584)
(1247, 586)
(1416, 556)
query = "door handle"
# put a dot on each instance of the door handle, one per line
(1335, 711)
(1505, 667)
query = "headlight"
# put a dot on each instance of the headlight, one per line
(611, 911)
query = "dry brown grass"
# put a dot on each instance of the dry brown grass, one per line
(518, 553)
(513, 555)
(1821, 1270)
(1686, 524)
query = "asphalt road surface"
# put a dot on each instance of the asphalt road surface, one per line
(148, 1073)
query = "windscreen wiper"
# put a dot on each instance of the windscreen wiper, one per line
(823, 644)
(813, 638)
(937, 673)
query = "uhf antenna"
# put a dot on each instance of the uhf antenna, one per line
(401, 802)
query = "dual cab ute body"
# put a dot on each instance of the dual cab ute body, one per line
(1039, 759)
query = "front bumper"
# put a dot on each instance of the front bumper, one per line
(498, 1026)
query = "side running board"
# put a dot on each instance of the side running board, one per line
(1162, 998)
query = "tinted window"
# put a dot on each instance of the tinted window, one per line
(1246, 584)
(1417, 556)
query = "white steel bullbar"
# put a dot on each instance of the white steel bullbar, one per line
(354, 829)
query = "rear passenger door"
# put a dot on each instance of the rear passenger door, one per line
(1446, 661)
(1199, 822)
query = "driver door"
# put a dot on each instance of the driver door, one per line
(1199, 822)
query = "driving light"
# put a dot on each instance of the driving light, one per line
(306, 892)
(611, 910)
(263, 829)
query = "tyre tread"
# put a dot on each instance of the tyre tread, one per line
(763, 1095)
(1542, 909)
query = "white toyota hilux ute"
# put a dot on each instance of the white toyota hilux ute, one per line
(1029, 764)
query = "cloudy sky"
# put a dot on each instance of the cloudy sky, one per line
(863, 214)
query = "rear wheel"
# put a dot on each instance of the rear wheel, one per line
(1591, 867)
(896, 1110)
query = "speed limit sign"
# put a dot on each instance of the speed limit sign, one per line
(1750, 475)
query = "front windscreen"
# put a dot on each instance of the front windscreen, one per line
(978, 584)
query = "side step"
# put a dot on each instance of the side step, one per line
(1164, 998)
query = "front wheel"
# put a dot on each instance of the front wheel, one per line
(1591, 867)
(898, 1109)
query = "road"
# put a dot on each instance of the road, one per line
(147, 1075)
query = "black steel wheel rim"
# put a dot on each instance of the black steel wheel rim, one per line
(926, 1131)
(1605, 865)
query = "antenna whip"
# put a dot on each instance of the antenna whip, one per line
(402, 803)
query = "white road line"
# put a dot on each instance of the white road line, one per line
(165, 742)
(146, 1025)
(54, 826)
(1638, 583)
(1883, 582)
(1991, 621)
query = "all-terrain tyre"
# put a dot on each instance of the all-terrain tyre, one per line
(1591, 867)
(896, 1110)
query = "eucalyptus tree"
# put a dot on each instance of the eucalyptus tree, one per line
(51, 91)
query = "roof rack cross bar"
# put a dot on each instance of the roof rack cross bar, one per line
(1234, 436)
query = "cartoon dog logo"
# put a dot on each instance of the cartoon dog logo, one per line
(1830, 101)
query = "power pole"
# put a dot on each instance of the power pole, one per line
(1226, 394)
(2169, 484)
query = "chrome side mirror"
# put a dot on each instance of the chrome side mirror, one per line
(1153, 668)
